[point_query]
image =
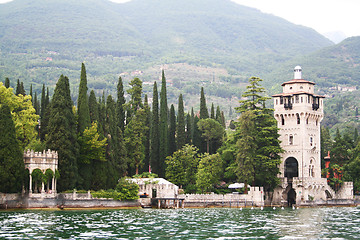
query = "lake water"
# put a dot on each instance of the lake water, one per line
(213, 223)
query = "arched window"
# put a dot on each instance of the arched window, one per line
(291, 140)
(298, 118)
(282, 120)
(291, 168)
(311, 141)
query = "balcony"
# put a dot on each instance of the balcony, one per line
(288, 105)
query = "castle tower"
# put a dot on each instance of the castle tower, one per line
(299, 111)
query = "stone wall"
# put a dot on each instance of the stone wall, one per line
(67, 200)
(255, 197)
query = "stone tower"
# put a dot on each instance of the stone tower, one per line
(299, 111)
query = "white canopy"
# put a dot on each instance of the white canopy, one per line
(237, 185)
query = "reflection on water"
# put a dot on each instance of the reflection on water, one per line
(220, 223)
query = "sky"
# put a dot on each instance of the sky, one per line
(322, 15)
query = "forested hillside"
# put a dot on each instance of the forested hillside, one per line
(199, 43)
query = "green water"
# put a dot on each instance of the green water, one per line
(220, 223)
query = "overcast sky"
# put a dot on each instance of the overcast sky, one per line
(322, 15)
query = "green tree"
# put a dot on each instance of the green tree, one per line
(203, 109)
(147, 132)
(91, 149)
(20, 88)
(116, 150)
(135, 93)
(93, 107)
(340, 153)
(83, 105)
(180, 130)
(134, 139)
(120, 112)
(212, 112)
(189, 129)
(155, 137)
(163, 127)
(172, 130)
(260, 139)
(181, 167)
(209, 172)
(61, 135)
(7, 82)
(44, 112)
(211, 130)
(12, 169)
(23, 114)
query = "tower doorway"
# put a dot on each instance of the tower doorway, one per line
(291, 197)
(291, 168)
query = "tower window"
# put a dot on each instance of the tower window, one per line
(282, 120)
(297, 99)
(298, 118)
(291, 140)
(301, 99)
(276, 101)
(311, 141)
(281, 100)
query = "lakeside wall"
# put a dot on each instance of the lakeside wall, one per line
(255, 197)
(63, 200)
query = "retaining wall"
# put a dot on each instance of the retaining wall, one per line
(62, 201)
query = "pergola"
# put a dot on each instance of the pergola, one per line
(43, 161)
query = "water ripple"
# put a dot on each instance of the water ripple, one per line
(222, 223)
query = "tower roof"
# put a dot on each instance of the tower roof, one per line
(297, 81)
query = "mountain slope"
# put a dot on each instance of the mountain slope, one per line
(42, 39)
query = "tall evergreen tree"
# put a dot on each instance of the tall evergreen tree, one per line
(18, 88)
(218, 114)
(116, 151)
(147, 133)
(36, 104)
(212, 115)
(204, 113)
(83, 105)
(120, 112)
(12, 168)
(134, 140)
(265, 146)
(180, 131)
(93, 107)
(7, 82)
(135, 102)
(31, 92)
(163, 127)
(61, 135)
(155, 136)
(172, 130)
(44, 113)
(188, 129)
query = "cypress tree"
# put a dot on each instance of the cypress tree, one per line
(36, 104)
(164, 148)
(147, 134)
(155, 136)
(83, 105)
(116, 151)
(218, 114)
(120, 112)
(31, 93)
(181, 136)
(61, 135)
(18, 88)
(172, 130)
(135, 102)
(212, 115)
(7, 82)
(22, 89)
(203, 109)
(12, 168)
(188, 129)
(44, 113)
(197, 140)
(93, 107)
